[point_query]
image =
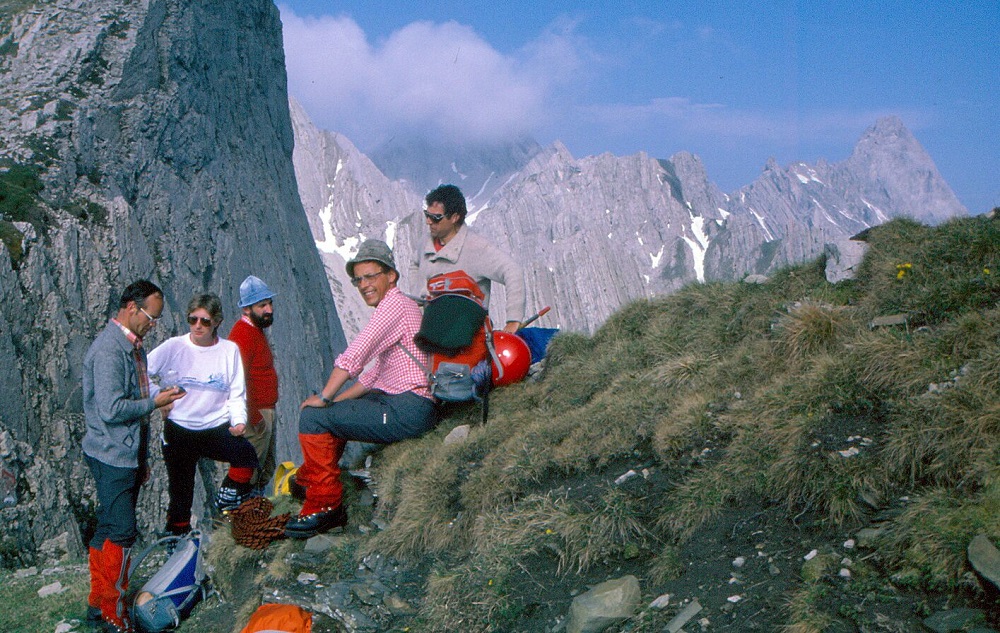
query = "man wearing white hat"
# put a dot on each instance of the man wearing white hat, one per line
(258, 367)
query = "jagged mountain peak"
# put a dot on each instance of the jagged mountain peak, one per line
(889, 137)
(890, 125)
(685, 157)
(596, 231)
(899, 168)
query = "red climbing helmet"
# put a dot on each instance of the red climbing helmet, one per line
(515, 358)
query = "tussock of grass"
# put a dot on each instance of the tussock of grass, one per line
(697, 501)
(946, 439)
(469, 598)
(665, 566)
(777, 392)
(804, 614)
(947, 274)
(810, 328)
(578, 532)
(682, 371)
(428, 517)
(236, 573)
(929, 540)
(686, 419)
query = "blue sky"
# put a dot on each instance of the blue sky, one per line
(733, 82)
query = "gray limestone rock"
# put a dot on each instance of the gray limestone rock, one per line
(985, 559)
(843, 259)
(608, 603)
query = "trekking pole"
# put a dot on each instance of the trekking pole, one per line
(534, 317)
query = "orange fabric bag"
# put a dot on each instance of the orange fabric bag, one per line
(279, 618)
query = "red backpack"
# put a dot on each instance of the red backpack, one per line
(456, 331)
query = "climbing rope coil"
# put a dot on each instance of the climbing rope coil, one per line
(253, 526)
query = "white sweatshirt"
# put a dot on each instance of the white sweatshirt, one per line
(212, 376)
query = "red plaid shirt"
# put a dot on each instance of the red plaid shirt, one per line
(396, 320)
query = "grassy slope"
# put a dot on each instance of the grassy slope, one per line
(737, 399)
(768, 378)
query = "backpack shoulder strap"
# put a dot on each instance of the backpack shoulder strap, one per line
(427, 371)
(161, 542)
(491, 348)
(420, 301)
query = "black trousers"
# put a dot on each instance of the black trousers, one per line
(182, 448)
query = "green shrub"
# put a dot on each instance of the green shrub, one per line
(12, 239)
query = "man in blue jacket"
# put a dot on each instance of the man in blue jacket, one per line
(116, 406)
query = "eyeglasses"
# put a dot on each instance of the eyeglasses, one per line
(152, 319)
(204, 322)
(434, 217)
(369, 277)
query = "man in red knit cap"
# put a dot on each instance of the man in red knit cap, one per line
(258, 366)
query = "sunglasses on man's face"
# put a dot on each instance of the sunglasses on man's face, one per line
(434, 217)
(204, 322)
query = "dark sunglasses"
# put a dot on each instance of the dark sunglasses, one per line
(434, 217)
(356, 281)
(204, 322)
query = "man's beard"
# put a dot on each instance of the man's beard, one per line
(263, 322)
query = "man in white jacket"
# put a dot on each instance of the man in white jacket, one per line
(452, 246)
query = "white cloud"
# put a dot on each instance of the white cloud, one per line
(446, 82)
(440, 79)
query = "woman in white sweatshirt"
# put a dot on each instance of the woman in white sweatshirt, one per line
(210, 420)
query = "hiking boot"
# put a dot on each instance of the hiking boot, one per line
(111, 627)
(94, 620)
(230, 498)
(124, 626)
(316, 523)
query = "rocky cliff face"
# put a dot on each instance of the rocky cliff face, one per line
(149, 139)
(597, 232)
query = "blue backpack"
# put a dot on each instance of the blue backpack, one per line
(173, 591)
